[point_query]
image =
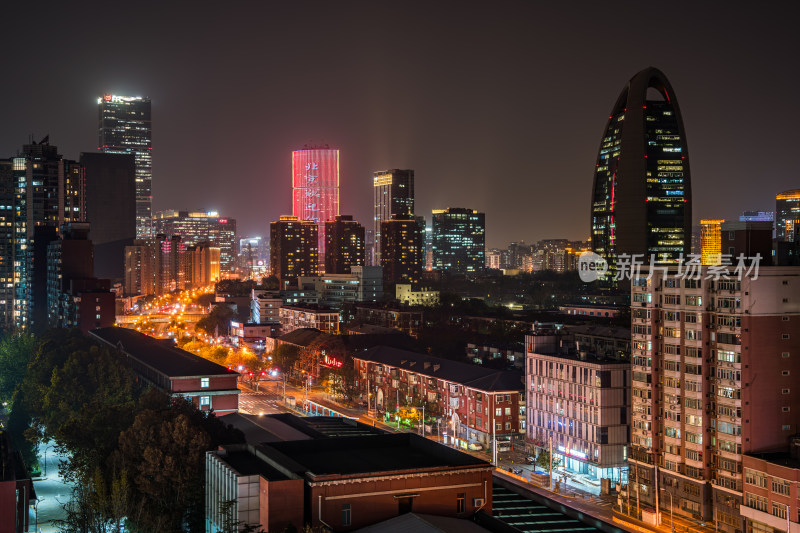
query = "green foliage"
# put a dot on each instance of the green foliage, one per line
(16, 351)
(285, 356)
(234, 287)
(270, 283)
(133, 452)
(217, 322)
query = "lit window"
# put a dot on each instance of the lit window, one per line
(204, 383)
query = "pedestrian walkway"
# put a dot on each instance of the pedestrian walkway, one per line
(52, 492)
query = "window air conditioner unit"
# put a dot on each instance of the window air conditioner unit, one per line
(477, 502)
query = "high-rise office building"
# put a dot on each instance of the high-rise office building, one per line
(787, 216)
(196, 227)
(344, 245)
(48, 192)
(254, 255)
(402, 242)
(393, 191)
(714, 365)
(459, 240)
(125, 129)
(642, 196)
(294, 248)
(315, 188)
(710, 242)
(110, 181)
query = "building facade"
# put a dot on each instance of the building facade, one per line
(315, 188)
(710, 242)
(296, 317)
(344, 248)
(475, 406)
(195, 227)
(110, 181)
(408, 294)
(402, 250)
(393, 193)
(578, 406)
(181, 374)
(459, 240)
(48, 192)
(712, 366)
(642, 196)
(125, 128)
(362, 284)
(294, 248)
(787, 216)
(770, 503)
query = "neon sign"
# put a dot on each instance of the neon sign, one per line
(332, 362)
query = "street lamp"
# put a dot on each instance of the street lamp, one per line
(48, 447)
(671, 512)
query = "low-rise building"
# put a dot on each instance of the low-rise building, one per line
(407, 294)
(578, 406)
(253, 335)
(265, 306)
(181, 374)
(362, 284)
(481, 353)
(338, 474)
(473, 404)
(323, 319)
(406, 319)
(770, 501)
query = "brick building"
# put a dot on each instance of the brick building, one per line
(338, 474)
(177, 372)
(474, 404)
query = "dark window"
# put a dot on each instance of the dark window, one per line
(461, 502)
(346, 518)
(404, 505)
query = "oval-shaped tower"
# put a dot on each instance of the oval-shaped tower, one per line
(642, 195)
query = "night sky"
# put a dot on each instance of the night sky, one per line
(498, 106)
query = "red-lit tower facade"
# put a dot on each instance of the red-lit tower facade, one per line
(315, 188)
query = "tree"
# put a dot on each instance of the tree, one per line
(16, 351)
(344, 382)
(164, 453)
(233, 525)
(270, 283)
(285, 356)
(543, 461)
(217, 321)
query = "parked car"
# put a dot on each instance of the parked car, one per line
(530, 459)
(516, 470)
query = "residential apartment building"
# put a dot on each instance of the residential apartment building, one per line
(474, 404)
(265, 306)
(714, 361)
(578, 405)
(408, 294)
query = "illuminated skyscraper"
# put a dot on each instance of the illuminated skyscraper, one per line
(403, 246)
(196, 227)
(787, 216)
(48, 192)
(394, 195)
(642, 196)
(293, 248)
(710, 242)
(315, 188)
(344, 246)
(459, 240)
(125, 129)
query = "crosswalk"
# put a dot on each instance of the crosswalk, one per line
(261, 402)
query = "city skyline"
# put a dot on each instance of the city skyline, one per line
(542, 111)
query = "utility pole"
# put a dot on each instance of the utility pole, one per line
(658, 512)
